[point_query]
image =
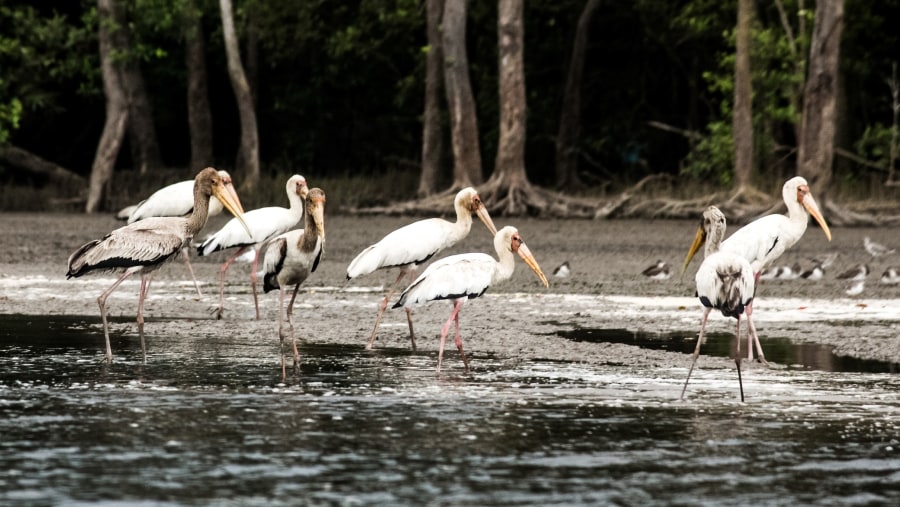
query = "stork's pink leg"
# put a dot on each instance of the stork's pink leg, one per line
(101, 301)
(444, 330)
(748, 310)
(700, 339)
(459, 344)
(253, 279)
(737, 359)
(187, 262)
(281, 311)
(222, 271)
(290, 319)
(412, 334)
(145, 287)
(383, 307)
(752, 335)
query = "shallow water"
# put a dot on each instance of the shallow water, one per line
(814, 356)
(200, 424)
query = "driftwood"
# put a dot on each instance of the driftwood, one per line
(639, 201)
(24, 159)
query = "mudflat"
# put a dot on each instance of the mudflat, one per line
(517, 319)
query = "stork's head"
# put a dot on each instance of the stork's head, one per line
(797, 189)
(468, 199)
(296, 184)
(211, 183)
(509, 237)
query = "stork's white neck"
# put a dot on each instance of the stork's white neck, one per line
(506, 265)
(296, 207)
(798, 219)
(463, 223)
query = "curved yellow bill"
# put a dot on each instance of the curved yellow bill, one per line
(316, 209)
(699, 240)
(485, 217)
(526, 256)
(230, 200)
(810, 204)
(229, 188)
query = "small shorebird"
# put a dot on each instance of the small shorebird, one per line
(815, 273)
(782, 272)
(562, 271)
(876, 249)
(891, 276)
(856, 273)
(857, 288)
(658, 271)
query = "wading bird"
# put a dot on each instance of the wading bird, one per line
(412, 245)
(658, 271)
(725, 282)
(263, 224)
(876, 249)
(563, 270)
(142, 247)
(855, 273)
(891, 276)
(467, 276)
(289, 260)
(765, 239)
(177, 200)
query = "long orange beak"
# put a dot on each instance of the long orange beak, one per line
(810, 204)
(232, 193)
(485, 217)
(699, 240)
(317, 211)
(230, 200)
(526, 256)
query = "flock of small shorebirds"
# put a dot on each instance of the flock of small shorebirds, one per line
(856, 275)
(165, 225)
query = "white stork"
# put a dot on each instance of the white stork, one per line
(412, 245)
(142, 247)
(289, 260)
(765, 239)
(177, 200)
(467, 276)
(725, 282)
(263, 224)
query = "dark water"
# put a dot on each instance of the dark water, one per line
(381, 428)
(779, 350)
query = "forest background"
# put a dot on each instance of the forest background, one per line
(559, 108)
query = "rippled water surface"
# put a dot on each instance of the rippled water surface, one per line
(201, 425)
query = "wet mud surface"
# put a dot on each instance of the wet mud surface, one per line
(518, 319)
(573, 397)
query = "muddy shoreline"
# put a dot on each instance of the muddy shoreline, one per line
(517, 320)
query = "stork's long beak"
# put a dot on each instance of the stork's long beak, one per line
(699, 240)
(485, 217)
(526, 256)
(230, 200)
(318, 213)
(810, 204)
(229, 188)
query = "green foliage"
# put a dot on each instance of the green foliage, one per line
(875, 144)
(712, 158)
(777, 73)
(38, 53)
(339, 85)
